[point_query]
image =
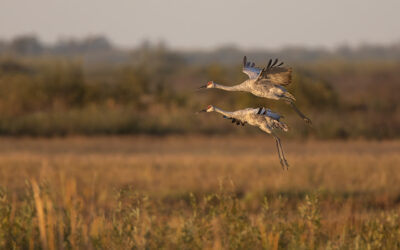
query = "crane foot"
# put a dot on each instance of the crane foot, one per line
(282, 164)
(308, 121)
(285, 164)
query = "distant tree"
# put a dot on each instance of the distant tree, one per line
(96, 43)
(3, 46)
(91, 44)
(26, 45)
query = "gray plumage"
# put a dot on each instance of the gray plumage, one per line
(267, 82)
(262, 118)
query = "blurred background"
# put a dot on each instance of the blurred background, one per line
(70, 68)
(101, 146)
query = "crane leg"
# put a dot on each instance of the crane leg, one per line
(282, 158)
(284, 162)
(305, 118)
(279, 154)
(283, 155)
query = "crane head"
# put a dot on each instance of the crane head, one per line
(209, 85)
(210, 108)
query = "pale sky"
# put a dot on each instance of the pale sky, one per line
(206, 24)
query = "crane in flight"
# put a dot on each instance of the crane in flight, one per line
(265, 119)
(267, 82)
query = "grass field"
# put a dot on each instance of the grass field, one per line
(198, 193)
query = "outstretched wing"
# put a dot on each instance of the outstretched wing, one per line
(234, 120)
(250, 69)
(276, 74)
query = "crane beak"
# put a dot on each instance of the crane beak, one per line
(203, 87)
(201, 111)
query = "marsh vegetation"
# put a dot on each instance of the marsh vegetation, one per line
(197, 192)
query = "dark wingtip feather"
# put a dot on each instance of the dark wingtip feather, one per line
(269, 63)
(244, 61)
(275, 62)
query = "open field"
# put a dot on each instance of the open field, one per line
(198, 192)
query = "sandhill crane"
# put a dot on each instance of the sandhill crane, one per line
(267, 82)
(263, 118)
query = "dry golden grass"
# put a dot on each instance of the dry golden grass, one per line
(191, 164)
(337, 193)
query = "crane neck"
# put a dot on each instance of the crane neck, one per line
(238, 87)
(223, 112)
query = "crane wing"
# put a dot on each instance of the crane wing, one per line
(275, 74)
(272, 118)
(275, 124)
(250, 69)
(235, 120)
(269, 113)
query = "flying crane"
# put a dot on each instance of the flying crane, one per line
(265, 119)
(267, 82)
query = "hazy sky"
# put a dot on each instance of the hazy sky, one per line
(207, 23)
